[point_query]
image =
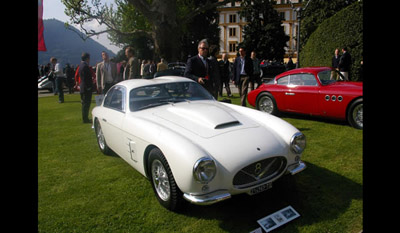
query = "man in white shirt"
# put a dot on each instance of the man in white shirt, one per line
(58, 78)
(106, 74)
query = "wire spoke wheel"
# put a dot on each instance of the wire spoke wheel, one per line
(358, 115)
(266, 104)
(160, 180)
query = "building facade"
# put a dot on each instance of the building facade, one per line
(231, 26)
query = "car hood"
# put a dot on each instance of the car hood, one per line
(204, 119)
(224, 132)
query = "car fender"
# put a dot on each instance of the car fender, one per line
(181, 159)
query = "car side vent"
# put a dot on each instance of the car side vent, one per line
(227, 125)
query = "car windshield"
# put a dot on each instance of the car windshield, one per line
(329, 76)
(155, 95)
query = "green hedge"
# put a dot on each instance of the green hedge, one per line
(344, 29)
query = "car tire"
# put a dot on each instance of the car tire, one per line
(266, 103)
(162, 180)
(355, 114)
(101, 140)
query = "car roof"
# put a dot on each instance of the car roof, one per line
(313, 70)
(134, 83)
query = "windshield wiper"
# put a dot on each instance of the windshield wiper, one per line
(154, 105)
(162, 102)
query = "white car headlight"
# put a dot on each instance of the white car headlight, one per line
(204, 170)
(298, 143)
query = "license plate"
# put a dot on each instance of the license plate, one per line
(260, 188)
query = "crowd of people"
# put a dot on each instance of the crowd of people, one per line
(214, 75)
(203, 68)
(98, 79)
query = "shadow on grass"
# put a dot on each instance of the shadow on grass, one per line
(317, 194)
(313, 118)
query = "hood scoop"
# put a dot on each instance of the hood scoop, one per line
(203, 114)
(227, 125)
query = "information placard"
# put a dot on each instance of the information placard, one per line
(278, 218)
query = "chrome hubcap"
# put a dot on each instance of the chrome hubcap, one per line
(266, 105)
(160, 180)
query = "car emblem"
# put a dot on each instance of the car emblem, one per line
(259, 172)
(258, 169)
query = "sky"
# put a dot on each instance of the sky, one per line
(54, 9)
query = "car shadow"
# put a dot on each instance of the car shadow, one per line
(317, 194)
(313, 118)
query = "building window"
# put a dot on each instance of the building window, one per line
(232, 46)
(232, 32)
(282, 16)
(232, 18)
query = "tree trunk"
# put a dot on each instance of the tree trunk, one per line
(162, 15)
(166, 41)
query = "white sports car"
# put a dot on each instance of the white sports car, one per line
(191, 146)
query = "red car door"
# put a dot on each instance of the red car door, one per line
(301, 94)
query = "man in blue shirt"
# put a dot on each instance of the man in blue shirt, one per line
(242, 71)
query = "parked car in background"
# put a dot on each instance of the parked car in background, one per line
(271, 69)
(174, 69)
(45, 84)
(192, 147)
(312, 91)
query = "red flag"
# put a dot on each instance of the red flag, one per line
(41, 44)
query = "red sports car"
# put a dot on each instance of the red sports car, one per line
(315, 91)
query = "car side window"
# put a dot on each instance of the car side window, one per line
(283, 80)
(115, 99)
(302, 80)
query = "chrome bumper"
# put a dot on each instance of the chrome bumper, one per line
(296, 168)
(207, 199)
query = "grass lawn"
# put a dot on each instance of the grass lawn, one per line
(82, 190)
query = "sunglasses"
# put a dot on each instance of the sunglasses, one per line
(203, 48)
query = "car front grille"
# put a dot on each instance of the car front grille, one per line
(259, 172)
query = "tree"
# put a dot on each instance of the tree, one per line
(264, 32)
(164, 19)
(317, 11)
(344, 29)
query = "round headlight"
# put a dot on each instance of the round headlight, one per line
(204, 170)
(298, 143)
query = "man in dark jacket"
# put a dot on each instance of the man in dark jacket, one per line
(224, 66)
(242, 71)
(345, 63)
(86, 86)
(335, 65)
(201, 70)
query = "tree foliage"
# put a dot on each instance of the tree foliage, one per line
(161, 23)
(264, 32)
(316, 12)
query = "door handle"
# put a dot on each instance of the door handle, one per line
(105, 120)
(289, 93)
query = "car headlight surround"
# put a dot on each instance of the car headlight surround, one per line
(298, 143)
(204, 170)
